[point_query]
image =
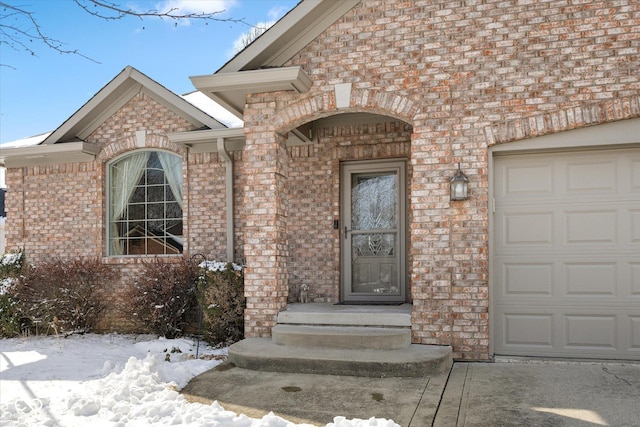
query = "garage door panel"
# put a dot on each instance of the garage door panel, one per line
(586, 279)
(634, 332)
(520, 279)
(555, 226)
(528, 228)
(590, 331)
(634, 221)
(529, 330)
(634, 279)
(566, 258)
(634, 175)
(557, 331)
(527, 179)
(610, 276)
(591, 176)
(591, 226)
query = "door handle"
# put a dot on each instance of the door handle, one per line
(346, 230)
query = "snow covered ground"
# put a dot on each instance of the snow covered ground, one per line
(115, 380)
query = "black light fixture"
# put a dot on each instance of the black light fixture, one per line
(459, 186)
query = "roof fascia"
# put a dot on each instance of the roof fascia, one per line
(231, 89)
(289, 35)
(68, 152)
(206, 141)
(117, 93)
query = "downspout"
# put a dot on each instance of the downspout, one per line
(222, 151)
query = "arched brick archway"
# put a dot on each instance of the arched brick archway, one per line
(323, 105)
(273, 172)
(131, 143)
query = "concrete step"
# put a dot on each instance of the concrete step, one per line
(262, 354)
(341, 337)
(346, 315)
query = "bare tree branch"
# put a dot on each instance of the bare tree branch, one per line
(111, 11)
(20, 30)
(20, 37)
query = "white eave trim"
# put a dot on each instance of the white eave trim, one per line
(68, 152)
(230, 89)
(206, 141)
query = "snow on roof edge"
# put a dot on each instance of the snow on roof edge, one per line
(26, 142)
(212, 108)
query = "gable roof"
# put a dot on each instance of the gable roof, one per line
(67, 143)
(128, 83)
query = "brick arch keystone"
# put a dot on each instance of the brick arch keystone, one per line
(362, 101)
(121, 146)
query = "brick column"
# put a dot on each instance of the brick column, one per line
(14, 203)
(265, 235)
(430, 233)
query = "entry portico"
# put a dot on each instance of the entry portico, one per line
(307, 151)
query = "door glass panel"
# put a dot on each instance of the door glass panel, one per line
(374, 233)
(374, 200)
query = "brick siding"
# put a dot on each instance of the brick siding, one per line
(58, 211)
(464, 75)
(456, 76)
(314, 198)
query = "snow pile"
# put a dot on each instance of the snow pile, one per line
(114, 380)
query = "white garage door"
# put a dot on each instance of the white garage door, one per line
(566, 254)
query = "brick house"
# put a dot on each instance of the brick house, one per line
(357, 115)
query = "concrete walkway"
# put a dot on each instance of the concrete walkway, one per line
(541, 393)
(517, 393)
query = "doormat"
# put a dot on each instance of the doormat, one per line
(368, 303)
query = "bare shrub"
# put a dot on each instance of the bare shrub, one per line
(163, 298)
(63, 295)
(223, 303)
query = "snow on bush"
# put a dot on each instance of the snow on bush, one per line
(65, 295)
(11, 263)
(220, 266)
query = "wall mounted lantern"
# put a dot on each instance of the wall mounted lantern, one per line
(459, 186)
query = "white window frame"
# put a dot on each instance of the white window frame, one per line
(107, 214)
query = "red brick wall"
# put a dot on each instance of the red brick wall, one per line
(465, 75)
(141, 112)
(314, 200)
(55, 210)
(59, 210)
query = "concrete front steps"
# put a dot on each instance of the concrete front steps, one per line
(367, 341)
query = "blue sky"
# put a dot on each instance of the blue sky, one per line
(38, 93)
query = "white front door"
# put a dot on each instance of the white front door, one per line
(373, 231)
